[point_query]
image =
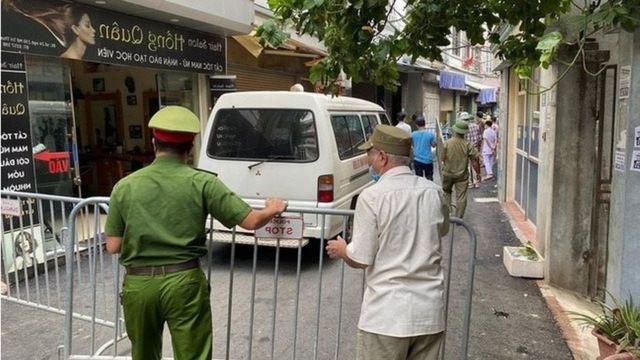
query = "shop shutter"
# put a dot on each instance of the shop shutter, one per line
(252, 79)
(431, 103)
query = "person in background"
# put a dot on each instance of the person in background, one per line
(156, 221)
(489, 146)
(495, 128)
(402, 312)
(445, 129)
(455, 165)
(422, 140)
(494, 121)
(402, 124)
(474, 137)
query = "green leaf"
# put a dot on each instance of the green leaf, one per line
(549, 41)
(524, 71)
(577, 23)
(352, 31)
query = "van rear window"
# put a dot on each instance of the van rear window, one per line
(265, 134)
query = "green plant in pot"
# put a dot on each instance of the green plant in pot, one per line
(616, 326)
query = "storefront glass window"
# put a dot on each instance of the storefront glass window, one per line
(51, 120)
(177, 88)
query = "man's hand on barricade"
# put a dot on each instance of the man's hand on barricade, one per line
(276, 205)
(336, 249)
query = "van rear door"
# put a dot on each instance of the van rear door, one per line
(255, 151)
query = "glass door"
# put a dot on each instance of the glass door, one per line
(176, 88)
(527, 148)
(55, 151)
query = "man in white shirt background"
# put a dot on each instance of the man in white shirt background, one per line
(402, 123)
(489, 146)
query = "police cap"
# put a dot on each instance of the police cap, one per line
(175, 119)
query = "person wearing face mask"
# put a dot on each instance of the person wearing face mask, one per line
(398, 224)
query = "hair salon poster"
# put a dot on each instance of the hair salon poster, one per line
(17, 154)
(76, 31)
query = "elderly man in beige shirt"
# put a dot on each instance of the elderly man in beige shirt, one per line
(398, 224)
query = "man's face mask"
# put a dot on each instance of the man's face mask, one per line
(374, 174)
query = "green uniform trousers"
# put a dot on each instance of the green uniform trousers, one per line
(460, 185)
(182, 300)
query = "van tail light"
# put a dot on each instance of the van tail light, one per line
(325, 188)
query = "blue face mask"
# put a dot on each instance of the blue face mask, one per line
(374, 174)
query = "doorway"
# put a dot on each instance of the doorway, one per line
(604, 160)
(113, 107)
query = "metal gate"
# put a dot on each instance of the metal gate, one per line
(267, 303)
(604, 160)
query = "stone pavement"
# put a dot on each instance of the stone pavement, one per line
(510, 317)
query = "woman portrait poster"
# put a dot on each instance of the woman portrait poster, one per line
(22, 249)
(68, 24)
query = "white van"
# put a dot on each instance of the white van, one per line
(301, 147)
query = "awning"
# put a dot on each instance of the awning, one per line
(476, 87)
(453, 81)
(503, 65)
(290, 47)
(421, 65)
(487, 96)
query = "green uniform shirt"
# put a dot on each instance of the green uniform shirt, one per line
(456, 154)
(160, 211)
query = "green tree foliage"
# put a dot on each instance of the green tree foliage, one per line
(365, 38)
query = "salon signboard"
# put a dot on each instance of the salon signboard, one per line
(77, 31)
(17, 157)
(17, 152)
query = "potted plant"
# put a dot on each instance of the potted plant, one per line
(617, 328)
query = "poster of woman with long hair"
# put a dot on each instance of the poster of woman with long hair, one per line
(68, 24)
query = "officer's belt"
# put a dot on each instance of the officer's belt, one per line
(163, 269)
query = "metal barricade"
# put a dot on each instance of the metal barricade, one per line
(34, 229)
(267, 302)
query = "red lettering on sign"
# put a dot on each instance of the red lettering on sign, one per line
(58, 162)
(58, 166)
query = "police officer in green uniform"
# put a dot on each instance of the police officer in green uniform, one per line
(156, 222)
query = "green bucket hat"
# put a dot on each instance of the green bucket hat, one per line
(389, 139)
(175, 119)
(461, 127)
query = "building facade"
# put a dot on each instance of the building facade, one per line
(86, 97)
(570, 164)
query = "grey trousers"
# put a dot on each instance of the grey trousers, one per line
(381, 347)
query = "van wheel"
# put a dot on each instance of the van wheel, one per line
(348, 231)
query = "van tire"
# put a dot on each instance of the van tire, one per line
(348, 231)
